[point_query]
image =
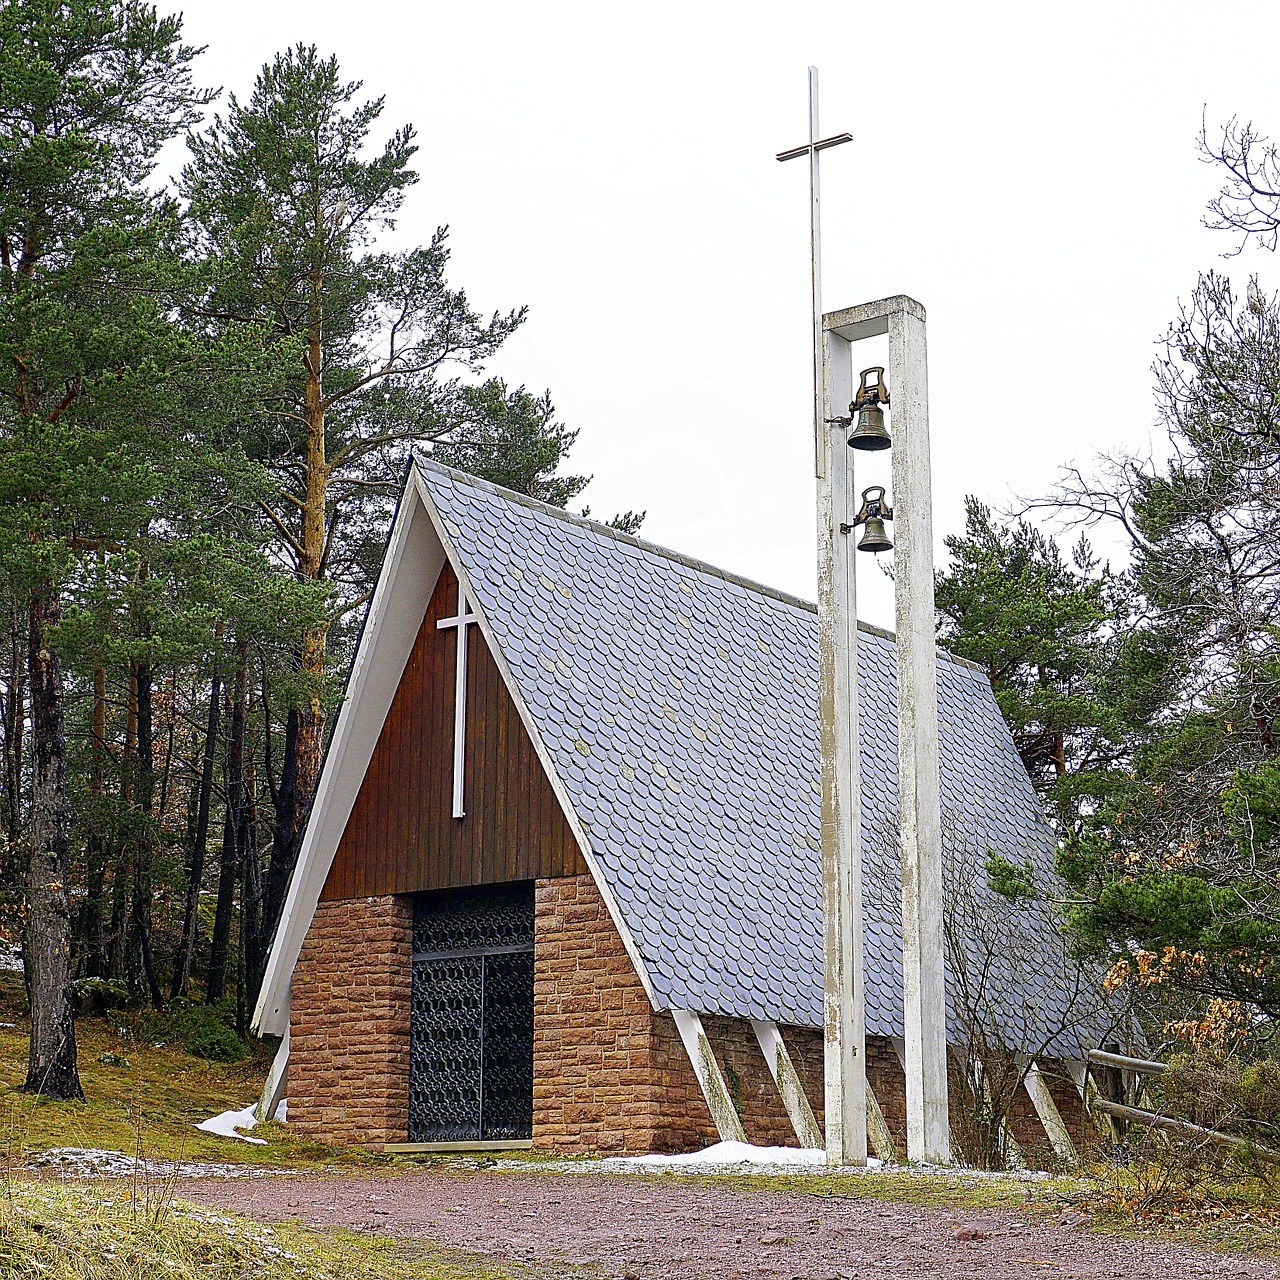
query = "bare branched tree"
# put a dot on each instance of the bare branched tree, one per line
(1001, 1021)
(1204, 525)
(1249, 202)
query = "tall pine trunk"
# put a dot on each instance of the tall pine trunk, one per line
(51, 1063)
(122, 954)
(306, 722)
(252, 939)
(199, 844)
(232, 834)
(14, 709)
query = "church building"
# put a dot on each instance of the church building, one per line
(560, 886)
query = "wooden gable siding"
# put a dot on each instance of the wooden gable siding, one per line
(401, 836)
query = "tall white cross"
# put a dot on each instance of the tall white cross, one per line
(844, 1006)
(462, 621)
(811, 149)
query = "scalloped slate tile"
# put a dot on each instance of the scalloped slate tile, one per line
(695, 694)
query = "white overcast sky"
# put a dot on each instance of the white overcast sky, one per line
(1026, 171)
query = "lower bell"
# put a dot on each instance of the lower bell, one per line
(874, 537)
(870, 433)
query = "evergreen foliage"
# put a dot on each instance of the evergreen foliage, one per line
(1145, 703)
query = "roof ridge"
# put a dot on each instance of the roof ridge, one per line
(690, 562)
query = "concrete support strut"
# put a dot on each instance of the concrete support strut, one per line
(273, 1091)
(714, 1089)
(787, 1078)
(1054, 1126)
(878, 1129)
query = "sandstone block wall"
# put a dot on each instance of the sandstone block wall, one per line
(349, 1024)
(610, 1075)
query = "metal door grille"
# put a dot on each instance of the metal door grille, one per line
(471, 1041)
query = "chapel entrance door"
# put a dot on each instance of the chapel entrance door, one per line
(471, 1024)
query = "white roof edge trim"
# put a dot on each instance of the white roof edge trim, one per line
(548, 765)
(414, 558)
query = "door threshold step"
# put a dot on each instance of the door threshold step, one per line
(501, 1144)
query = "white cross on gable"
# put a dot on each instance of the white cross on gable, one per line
(463, 620)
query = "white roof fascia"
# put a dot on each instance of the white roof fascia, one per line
(409, 574)
(548, 765)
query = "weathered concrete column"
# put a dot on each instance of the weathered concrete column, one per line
(920, 819)
(844, 999)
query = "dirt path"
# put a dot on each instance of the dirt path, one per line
(628, 1228)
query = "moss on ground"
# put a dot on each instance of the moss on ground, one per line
(914, 1186)
(146, 1097)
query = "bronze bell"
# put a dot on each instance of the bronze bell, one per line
(874, 537)
(870, 432)
(874, 513)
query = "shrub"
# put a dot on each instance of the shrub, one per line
(1225, 1092)
(204, 1031)
(92, 996)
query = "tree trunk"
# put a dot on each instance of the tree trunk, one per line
(199, 844)
(119, 967)
(283, 853)
(92, 936)
(252, 940)
(14, 725)
(232, 829)
(51, 1064)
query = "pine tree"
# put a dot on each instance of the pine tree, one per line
(89, 91)
(288, 202)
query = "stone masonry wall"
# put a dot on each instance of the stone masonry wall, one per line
(610, 1075)
(349, 1024)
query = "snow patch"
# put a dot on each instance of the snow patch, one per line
(227, 1124)
(732, 1153)
(93, 1162)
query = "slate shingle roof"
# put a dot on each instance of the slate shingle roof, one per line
(678, 704)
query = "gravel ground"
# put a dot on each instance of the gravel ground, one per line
(669, 1229)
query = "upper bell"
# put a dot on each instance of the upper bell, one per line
(870, 432)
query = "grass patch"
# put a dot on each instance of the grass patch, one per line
(146, 1097)
(115, 1233)
(908, 1186)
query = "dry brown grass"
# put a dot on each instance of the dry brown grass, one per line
(123, 1232)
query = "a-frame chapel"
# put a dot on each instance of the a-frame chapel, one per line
(560, 884)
